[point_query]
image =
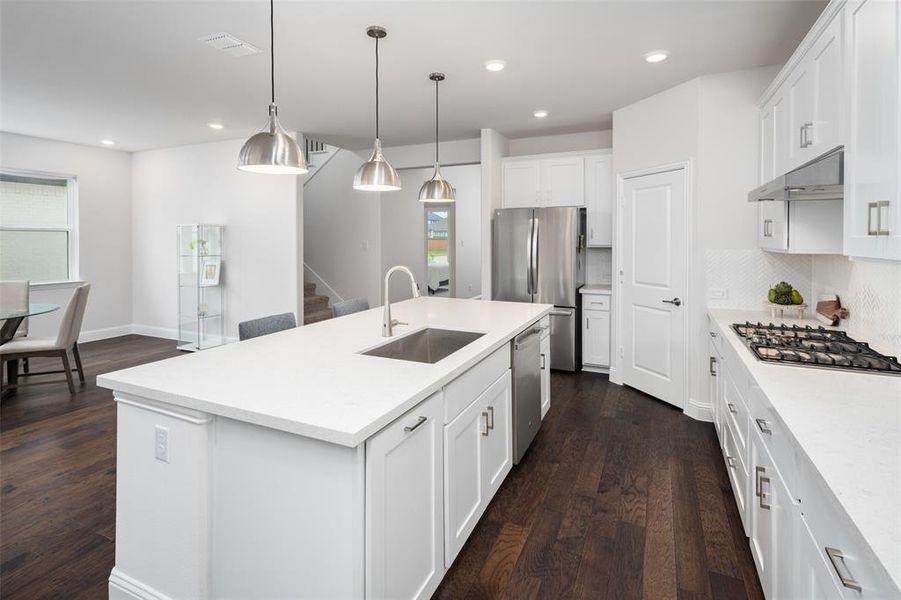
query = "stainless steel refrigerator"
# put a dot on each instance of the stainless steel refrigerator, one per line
(538, 255)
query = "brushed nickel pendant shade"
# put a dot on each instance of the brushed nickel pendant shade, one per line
(377, 174)
(437, 189)
(273, 150)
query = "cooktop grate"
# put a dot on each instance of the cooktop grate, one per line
(814, 347)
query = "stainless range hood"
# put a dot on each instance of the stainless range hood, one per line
(821, 179)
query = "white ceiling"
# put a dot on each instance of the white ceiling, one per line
(135, 71)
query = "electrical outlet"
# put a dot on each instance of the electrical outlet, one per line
(161, 443)
(717, 293)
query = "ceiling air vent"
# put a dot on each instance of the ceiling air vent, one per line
(229, 44)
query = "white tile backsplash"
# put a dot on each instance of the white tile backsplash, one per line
(746, 275)
(598, 265)
(871, 291)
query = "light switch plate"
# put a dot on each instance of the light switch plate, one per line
(161, 443)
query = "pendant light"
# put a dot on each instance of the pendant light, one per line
(376, 174)
(437, 189)
(272, 150)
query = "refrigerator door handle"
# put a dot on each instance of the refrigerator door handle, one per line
(530, 255)
(534, 258)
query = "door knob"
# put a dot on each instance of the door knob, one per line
(676, 301)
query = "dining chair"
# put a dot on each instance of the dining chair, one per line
(14, 296)
(266, 325)
(66, 339)
(348, 307)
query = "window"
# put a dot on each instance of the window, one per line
(439, 225)
(37, 232)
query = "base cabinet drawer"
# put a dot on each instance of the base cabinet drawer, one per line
(404, 505)
(814, 577)
(478, 456)
(738, 477)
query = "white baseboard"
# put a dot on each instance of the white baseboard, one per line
(152, 331)
(124, 587)
(592, 369)
(94, 335)
(700, 411)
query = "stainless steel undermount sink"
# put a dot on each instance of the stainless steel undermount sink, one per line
(426, 345)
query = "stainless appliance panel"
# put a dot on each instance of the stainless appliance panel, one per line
(526, 390)
(566, 344)
(560, 254)
(512, 255)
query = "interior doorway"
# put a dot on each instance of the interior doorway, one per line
(440, 250)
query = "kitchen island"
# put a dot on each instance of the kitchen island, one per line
(293, 466)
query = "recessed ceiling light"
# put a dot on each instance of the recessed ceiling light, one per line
(540, 114)
(107, 142)
(656, 56)
(216, 125)
(495, 65)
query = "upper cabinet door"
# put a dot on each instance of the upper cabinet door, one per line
(563, 181)
(405, 505)
(599, 199)
(826, 67)
(800, 94)
(872, 212)
(774, 138)
(522, 183)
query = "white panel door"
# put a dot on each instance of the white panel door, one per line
(654, 271)
(596, 338)
(497, 452)
(405, 505)
(599, 199)
(463, 477)
(563, 181)
(522, 183)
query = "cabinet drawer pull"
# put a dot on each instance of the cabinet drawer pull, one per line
(767, 228)
(763, 426)
(713, 366)
(880, 230)
(713, 334)
(758, 471)
(730, 460)
(490, 417)
(543, 365)
(841, 569)
(485, 431)
(763, 494)
(873, 224)
(731, 408)
(416, 425)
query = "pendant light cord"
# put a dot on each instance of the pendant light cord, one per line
(436, 121)
(376, 88)
(272, 46)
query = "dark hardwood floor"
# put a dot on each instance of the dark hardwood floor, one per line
(620, 496)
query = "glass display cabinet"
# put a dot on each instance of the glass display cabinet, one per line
(201, 294)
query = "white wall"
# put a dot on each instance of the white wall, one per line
(200, 184)
(712, 123)
(341, 229)
(456, 152)
(104, 227)
(569, 142)
(494, 147)
(403, 230)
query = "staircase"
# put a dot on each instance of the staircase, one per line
(315, 307)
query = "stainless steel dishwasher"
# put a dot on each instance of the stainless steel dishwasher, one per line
(526, 390)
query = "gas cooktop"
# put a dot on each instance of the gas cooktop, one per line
(814, 347)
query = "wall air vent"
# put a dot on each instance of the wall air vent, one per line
(229, 44)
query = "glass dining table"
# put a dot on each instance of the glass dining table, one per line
(11, 319)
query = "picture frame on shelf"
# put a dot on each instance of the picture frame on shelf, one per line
(210, 269)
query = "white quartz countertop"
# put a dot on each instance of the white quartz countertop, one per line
(312, 381)
(849, 426)
(596, 288)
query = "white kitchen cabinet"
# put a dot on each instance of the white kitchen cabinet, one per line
(595, 336)
(762, 525)
(404, 505)
(773, 137)
(814, 577)
(873, 149)
(772, 225)
(599, 199)
(563, 181)
(714, 387)
(477, 456)
(522, 184)
(800, 227)
(545, 350)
